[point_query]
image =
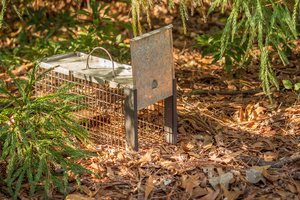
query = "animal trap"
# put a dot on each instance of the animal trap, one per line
(125, 105)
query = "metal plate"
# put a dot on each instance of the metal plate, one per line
(75, 64)
(152, 66)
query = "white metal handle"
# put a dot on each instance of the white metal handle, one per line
(112, 62)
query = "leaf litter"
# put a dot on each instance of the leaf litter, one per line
(232, 145)
(229, 147)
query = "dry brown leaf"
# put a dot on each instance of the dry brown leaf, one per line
(187, 146)
(219, 138)
(124, 171)
(270, 156)
(297, 184)
(109, 172)
(142, 172)
(231, 195)
(208, 142)
(262, 169)
(259, 110)
(169, 164)
(272, 178)
(251, 196)
(292, 188)
(241, 114)
(281, 193)
(87, 191)
(252, 125)
(229, 157)
(149, 186)
(147, 157)
(193, 154)
(189, 182)
(271, 144)
(254, 115)
(94, 166)
(121, 156)
(78, 197)
(231, 87)
(212, 195)
(199, 192)
(181, 130)
(248, 111)
(258, 145)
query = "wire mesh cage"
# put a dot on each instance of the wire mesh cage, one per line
(126, 106)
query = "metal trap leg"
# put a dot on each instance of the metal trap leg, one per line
(171, 116)
(131, 118)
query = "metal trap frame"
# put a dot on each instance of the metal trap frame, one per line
(127, 106)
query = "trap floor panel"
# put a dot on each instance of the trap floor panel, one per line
(102, 112)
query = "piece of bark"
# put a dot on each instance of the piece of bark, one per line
(273, 164)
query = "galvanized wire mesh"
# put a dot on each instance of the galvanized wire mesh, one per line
(103, 112)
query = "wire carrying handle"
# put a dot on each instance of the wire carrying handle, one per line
(112, 62)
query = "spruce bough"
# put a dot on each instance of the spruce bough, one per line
(271, 25)
(39, 135)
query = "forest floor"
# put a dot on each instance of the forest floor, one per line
(233, 142)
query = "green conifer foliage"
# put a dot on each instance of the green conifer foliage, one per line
(39, 135)
(269, 24)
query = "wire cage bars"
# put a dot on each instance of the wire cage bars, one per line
(125, 106)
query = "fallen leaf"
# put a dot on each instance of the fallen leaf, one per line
(199, 192)
(249, 109)
(181, 130)
(121, 156)
(271, 144)
(297, 184)
(187, 146)
(292, 188)
(94, 166)
(260, 110)
(241, 114)
(169, 165)
(281, 193)
(189, 182)
(149, 186)
(258, 145)
(193, 154)
(78, 197)
(270, 156)
(109, 172)
(87, 191)
(208, 142)
(212, 195)
(231, 195)
(146, 158)
(229, 157)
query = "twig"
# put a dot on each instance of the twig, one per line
(225, 92)
(273, 164)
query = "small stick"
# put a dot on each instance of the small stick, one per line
(225, 92)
